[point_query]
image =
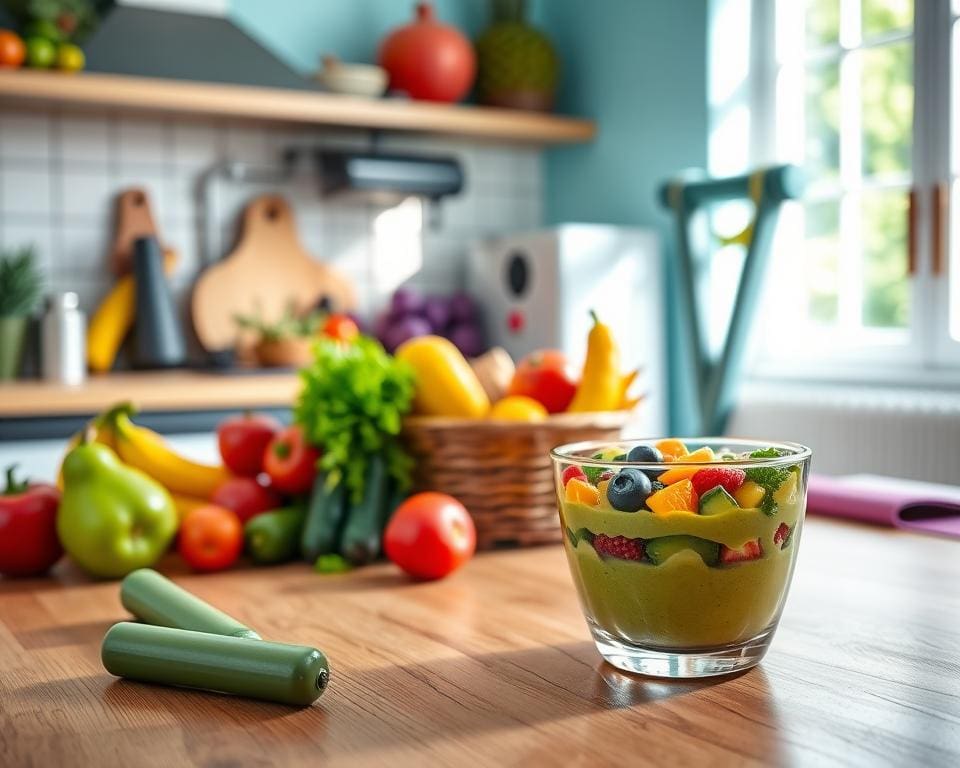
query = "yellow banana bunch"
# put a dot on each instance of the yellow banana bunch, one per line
(147, 451)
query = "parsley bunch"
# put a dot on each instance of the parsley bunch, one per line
(352, 404)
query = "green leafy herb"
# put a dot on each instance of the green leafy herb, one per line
(770, 478)
(290, 325)
(20, 282)
(768, 453)
(352, 404)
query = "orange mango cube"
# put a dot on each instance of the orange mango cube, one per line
(579, 492)
(679, 497)
(675, 474)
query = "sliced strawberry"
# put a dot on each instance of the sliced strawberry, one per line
(618, 546)
(729, 478)
(607, 474)
(572, 472)
(750, 551)
(782, 537)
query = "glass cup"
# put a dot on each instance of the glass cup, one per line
(682, 564)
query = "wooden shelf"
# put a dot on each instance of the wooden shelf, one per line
(124, 93)
(155, 391)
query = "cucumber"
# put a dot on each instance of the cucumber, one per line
(360, 543)
(274, 537)
(717, 500)
(659, 550)
(321, 529)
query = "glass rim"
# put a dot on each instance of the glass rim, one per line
(798, 453)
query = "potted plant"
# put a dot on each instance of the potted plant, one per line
(20, 286)
(284, 343)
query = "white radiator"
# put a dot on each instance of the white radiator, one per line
(899, 433)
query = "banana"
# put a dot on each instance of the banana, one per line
(147, 451)
(113, 318)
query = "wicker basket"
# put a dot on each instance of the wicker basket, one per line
(500, 470)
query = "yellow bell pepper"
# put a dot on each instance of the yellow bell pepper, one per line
(446, 384)
(601, 387)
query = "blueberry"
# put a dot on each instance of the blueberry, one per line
(647, 453)
(628, 490)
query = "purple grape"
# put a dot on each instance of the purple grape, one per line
(463, 309)
(406, 301)
(437, 311)
(381, 324)
(468, 338)
(401, 330)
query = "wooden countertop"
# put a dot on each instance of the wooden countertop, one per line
(494, 667)
(151, 391)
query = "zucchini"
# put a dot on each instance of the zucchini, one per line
(321, 530)
(274, 537)
(361, 534)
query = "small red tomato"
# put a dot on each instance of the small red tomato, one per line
(211, 538)
(290, 461)
(341, 328)
(430, 535)
(543, 376)
(245, 497)
(243, 439)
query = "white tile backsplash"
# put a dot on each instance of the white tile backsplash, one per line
(25, 137)
(26, 192)
(60, 174)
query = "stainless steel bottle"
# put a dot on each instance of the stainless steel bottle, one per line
(63, 340)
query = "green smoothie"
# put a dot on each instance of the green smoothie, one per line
(684, 602)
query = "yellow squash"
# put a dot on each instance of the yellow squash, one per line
(601, 386)
(149, 452)
(113, 318)
(446, 384)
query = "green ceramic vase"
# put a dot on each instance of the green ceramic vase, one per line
(13, 329)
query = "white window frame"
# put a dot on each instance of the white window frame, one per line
(930, 356)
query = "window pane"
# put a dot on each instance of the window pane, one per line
(823, 120)
(887, 98)
(823, 22)
(878, 17)
(886, 289)
(822, 235)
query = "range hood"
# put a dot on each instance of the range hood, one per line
(184, 40)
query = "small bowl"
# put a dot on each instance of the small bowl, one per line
(680, 583)
(352, 79)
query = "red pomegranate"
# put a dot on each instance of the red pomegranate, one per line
(429, 60)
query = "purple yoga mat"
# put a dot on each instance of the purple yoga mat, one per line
(908, 504)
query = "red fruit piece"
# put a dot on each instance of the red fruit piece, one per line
(750, 551)
(572, 472)
(782, 534)
(618, 546)
(607, 474)
(710, 477)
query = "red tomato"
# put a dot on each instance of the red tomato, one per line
(290, 462)
(12, 49)
(430, 535)
(543, 376)
(245, 497)
(211, 538)
(341, 328)
(243, 439)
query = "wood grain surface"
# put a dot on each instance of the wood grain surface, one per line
(493, 666)
(87, 91)
(151, 390)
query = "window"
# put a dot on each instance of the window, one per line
(864, 95)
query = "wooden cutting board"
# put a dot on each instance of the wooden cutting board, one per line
(268, 271)
(134, 219)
